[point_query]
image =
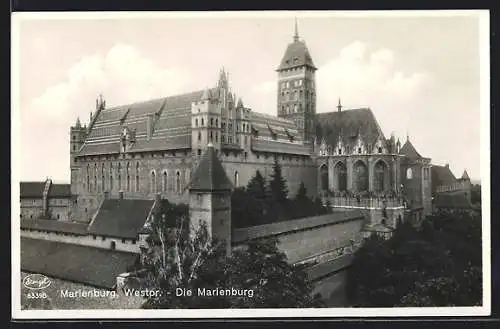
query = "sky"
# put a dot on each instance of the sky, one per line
(419, 74)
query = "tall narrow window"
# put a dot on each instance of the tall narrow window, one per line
(236, 179)
(95, 178)
(103, 180)
(409, 173)
(137, 177)
(111, 177)
(164, 181)
(202, 122)
(178, 182)
(199, 136)
(196, 122)
(211, 122)
(119, 176)
(153, 182)
(128, 176)
(88, 178)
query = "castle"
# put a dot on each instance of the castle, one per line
(195, 148)
(151, 147)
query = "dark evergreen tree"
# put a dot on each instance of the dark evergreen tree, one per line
(277, 185)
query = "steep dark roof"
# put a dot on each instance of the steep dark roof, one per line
(54, 226)
(83, 264)
(296, 54)
(409, 150)
(59, 191)
(441, 176)
(209, 175)
(346, 125)
(465, 175)
(32, 189)
(452, 201)
(171, 125)
(121, 218)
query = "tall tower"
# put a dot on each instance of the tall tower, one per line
(210, 198)
(77, 138)
(297, 87)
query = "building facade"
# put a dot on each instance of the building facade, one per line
(151, 147)
(45, 200)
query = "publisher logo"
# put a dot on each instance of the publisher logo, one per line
(36, 281)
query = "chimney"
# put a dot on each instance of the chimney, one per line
(120, 195)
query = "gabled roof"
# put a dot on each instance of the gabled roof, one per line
(465, 175)
(409, 150)
(452, 201)
(441, 176)
(346, 125)
(209, 175)
(171, 125)
(88, 265)
(59, 191)
(121, 218)
(32, 189)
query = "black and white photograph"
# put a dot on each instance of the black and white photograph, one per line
(250, 164)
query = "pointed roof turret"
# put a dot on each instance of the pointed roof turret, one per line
(296, 34)
(78, 124)
(409, 150)
(209, 175)
(240, 102)
(296, 54)
(206, 94)
(465, 175)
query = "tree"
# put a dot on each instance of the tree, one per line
(256, 189)
(436, 265)
(193, 261)
(278, 191)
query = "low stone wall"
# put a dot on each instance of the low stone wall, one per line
(85, 240)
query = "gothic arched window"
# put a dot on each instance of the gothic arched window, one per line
(199, 136)
(103, 180)
(323, 171)
(153, 182)
(137, 177)
(236, 178)
(341, 172)
(380, 176)
(128, 176)
(88, 178)
(360, 176)
(95, 177)
(111, 176)
(164, 181)
(409, 173)
(178, 182)
(119, 176)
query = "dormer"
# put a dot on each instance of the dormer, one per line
(380, 146)
(340, 148)
(359, 146)
(323, 148)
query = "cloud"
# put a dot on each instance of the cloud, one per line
(361, 77)
(122, 75)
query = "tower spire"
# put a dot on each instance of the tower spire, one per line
(296, 31)
(339, 106)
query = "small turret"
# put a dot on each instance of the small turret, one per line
(240, 103)
(206, 95)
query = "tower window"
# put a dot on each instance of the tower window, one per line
(379, 150)
(211, 122)
(196, 122)
(217, 123)
(359, 150)
(202, 122)
(340, 151)
(199, 136)
(199, 151)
